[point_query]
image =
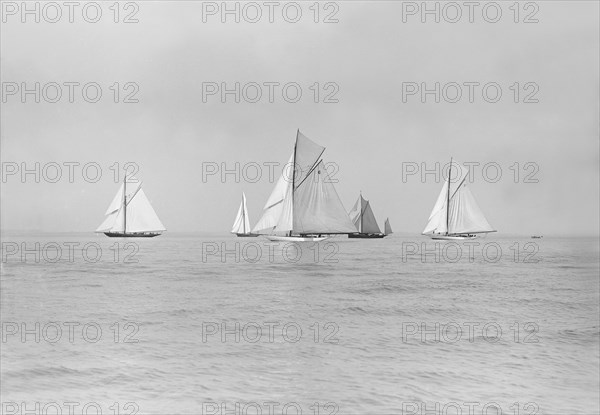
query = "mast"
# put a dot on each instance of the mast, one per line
(243, 212)
(361, 212)
(294, 176)
(125, 204)
(448, 199)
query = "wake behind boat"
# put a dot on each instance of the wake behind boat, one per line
(304, 206)
(455, 215)
(130, 215)
(241, 225)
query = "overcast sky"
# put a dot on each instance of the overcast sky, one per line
(370, 134)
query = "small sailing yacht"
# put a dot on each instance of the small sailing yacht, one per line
(363, 218)
(455, 215)
(388, 228)
(241, 226)
(304, 206)
(130, 214)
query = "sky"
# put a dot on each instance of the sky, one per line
(373, 133)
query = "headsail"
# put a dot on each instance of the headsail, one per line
(459, 215)
(274, 207)
(242, 221)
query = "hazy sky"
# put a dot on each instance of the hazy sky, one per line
(369, 134)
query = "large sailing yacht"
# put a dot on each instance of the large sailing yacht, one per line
(304, 206)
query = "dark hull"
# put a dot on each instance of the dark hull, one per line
(366, 235)
(246, 235)
(131, 234)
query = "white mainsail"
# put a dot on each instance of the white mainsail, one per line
(309, 202)
(242, 221)
(455, 211)
(388, 227)
(131, 212)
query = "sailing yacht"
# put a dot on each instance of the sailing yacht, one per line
(304, 206)
(363, 218)
(241, 225)
(387, 228)
(455, 215)
(130, 215)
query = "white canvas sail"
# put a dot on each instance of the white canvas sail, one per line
(363, 217)
(109, 223)
(133, 185)
(355, 212)
(308, 203)
(242, 221)
(141, 217)
(464, 214)
(317, 206)
(274, 207)
(307, 153)
(388, 227)
(369, 223)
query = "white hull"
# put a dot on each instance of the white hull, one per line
(453, 237)
(296, 238)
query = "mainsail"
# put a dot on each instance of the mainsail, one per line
(131, 211)
(308, 203)
(363, 218)
(242, 222)
(388, 227)
(455, 211)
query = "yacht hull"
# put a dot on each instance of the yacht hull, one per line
(366, 235)
(452, 237)
(132, 234)
(296, 238)
(246, 235)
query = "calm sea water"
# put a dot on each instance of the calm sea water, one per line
(351, 326)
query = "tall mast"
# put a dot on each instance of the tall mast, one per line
(243, 213)
(448, 199)
(125, 204)
(294, 176)
(361, 212)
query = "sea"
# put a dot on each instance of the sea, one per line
(214, 324)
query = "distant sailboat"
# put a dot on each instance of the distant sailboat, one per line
(241, 226)
(363, 218)
(388, 227)
(456, 215)
(130, 214)
(304, 205)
